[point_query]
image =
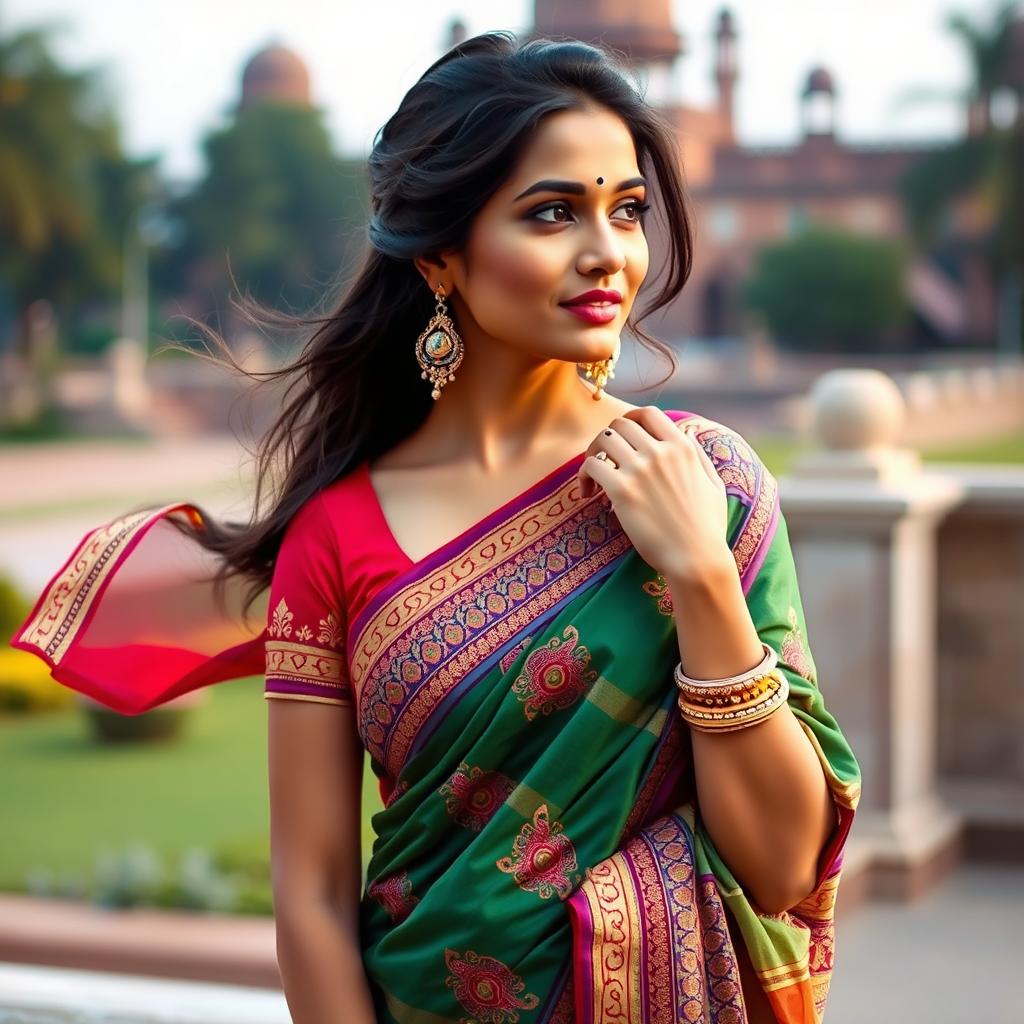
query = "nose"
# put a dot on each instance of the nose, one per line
(602, 250)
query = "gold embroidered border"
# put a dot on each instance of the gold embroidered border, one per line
(422, 594)
(615, 945)
(71, 594)
(753, 533)
(302, 664)
(788, 974)
(661, 1004)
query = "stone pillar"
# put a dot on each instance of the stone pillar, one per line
(863, 516)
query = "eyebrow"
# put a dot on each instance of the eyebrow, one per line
(576, 188)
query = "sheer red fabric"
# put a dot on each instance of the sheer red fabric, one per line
(131, 619)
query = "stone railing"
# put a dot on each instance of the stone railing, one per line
(980, 681)
(911, 580)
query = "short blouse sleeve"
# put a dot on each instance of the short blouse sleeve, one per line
(305, 656)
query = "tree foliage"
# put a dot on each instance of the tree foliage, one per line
(985, 169)
(274, 209)
(827, 289)
(67, 190)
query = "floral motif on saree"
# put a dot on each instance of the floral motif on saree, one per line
(658, 589)
(543, 859)
(394, 894)
(554, 676)
(486, 988)
(794, 651)
(472, 795)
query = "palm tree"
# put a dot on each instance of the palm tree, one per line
(969, 195)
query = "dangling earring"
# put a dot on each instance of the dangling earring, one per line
(439, 348)
(602, 371)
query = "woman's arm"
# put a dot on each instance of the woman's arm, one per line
(315, 767)
(762, 793)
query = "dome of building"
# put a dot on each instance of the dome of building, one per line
(819, 81)
(275, 73)
(642, 29)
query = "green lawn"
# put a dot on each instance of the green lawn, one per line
(779, 452)
(66, 796)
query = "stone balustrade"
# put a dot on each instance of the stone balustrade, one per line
(912, 580)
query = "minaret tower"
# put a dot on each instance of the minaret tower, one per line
(726, 71)
(818, 105)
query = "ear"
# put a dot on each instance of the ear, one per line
(433, 268)
(438, 268)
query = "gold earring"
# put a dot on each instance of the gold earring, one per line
(601, 371)
(439, 348)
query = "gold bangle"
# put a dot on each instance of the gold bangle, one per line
(736, 718)
(722, 696)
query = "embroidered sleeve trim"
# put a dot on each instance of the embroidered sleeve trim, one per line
(303, 664)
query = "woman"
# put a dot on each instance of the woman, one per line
(567, 629)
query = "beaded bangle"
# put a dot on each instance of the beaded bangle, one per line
(741, 716)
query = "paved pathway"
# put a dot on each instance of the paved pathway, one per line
(952, 958)
(51, 495)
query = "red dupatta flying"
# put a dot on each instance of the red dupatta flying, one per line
(131, 619)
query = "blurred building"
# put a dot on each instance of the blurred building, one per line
(277, 74)
(746, 196)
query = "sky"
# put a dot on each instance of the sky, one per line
(174, 68)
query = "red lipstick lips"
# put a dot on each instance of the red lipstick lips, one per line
(598, 306)
(594, 295)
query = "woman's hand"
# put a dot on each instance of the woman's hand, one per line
(664, 490)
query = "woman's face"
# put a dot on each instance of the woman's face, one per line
(565, 222)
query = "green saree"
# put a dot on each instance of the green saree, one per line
(541, 854)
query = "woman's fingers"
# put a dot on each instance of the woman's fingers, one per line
(594, 471)
(656, 422)
(618, 448)
(635, 433)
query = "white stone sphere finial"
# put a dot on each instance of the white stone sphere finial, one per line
(856, 409)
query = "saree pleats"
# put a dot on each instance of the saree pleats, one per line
(541, 856)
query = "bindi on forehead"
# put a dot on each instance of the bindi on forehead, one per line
(600, 181)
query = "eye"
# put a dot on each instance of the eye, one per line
(639, 209)
(549, 209)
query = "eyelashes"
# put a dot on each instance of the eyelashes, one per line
(636, 205)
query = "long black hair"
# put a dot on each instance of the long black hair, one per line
(355, 389)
